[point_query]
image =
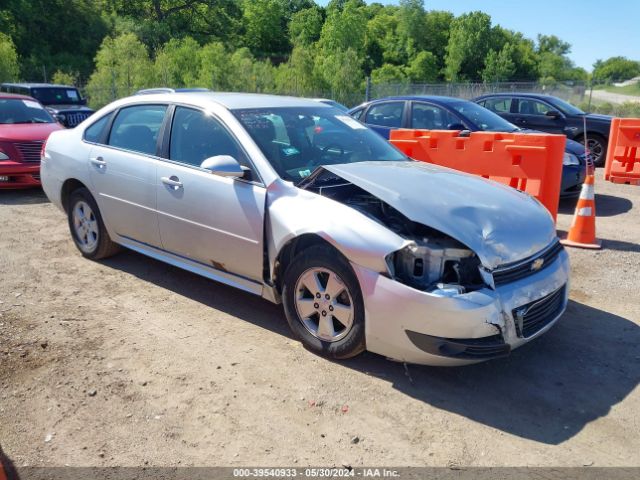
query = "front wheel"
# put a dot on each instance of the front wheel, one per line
(323, 303)
(87, 228)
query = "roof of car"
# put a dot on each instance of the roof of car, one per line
(428, 98)
(37, 85)
(16, 96)
(516, 94)
(233, 101)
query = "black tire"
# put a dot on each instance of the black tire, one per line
(325, 257)
(594, 137)
(102, 248)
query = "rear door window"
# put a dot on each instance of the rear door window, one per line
(95, 133)
(431, 117)
(498, 105)
(388, 114)
(137, 128)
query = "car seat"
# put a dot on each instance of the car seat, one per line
(138, 138)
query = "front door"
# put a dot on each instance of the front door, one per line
(213, 220)
(123, 173)
(532, 114)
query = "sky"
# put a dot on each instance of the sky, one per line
(596, 29)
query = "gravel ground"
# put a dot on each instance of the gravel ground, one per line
(133, 362)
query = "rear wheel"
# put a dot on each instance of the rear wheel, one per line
(323, 303)
(597, 147)
(87, 228)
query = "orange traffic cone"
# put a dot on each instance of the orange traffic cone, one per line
(583, 228)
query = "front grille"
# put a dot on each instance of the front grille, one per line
(517, 271)
(73, 119)
(29, 151)
(534, 316)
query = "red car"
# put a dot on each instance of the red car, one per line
(24, 127)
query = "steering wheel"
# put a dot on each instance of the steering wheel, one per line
(335, 146)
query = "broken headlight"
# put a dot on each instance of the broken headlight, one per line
(442, 266)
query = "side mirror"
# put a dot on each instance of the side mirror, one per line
(456, 126)
(83, 101)
(553, 114)
(223, 165)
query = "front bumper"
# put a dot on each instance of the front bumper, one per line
(573, 177)
(21, 175)
(409, 325)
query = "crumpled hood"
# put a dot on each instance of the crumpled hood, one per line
(500, 224)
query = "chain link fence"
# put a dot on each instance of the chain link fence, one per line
(576, 93)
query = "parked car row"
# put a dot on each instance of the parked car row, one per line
(445, 113)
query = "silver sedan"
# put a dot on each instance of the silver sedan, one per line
(297, 202)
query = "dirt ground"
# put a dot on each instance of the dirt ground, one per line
(133, 362)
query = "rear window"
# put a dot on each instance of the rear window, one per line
(95, 132)
(57, 96)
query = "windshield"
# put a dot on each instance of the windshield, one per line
(485, 119)
(566, 107)
(296, 140)
(22, 111)
(57, 96)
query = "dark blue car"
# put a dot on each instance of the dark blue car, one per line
(552, 115)
(445, 113)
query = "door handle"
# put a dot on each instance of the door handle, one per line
(98, 161)
(173, 181)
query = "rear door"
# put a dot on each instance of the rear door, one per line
(385, 116)
(213, 220)
(123, 173)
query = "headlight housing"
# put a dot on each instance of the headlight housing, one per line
(569, 159)
(3, 156)
(441, 266)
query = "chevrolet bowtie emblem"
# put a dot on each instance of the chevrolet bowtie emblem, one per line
(537, 264)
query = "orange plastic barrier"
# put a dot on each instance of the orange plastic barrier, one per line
(532, 163)
(623, 154)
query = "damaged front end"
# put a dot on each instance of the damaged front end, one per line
(430, 261)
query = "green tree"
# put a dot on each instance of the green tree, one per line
(122, 67)
(265, 22)
(156, 22)
(177, 63)
(9, 69)
(345, 29)
(615, 69)
(423, 68)
(499, 66)
(412, 26)
(388, 73)
(64, 78)
(297, 76)
(468, 46)
(341, 72)
(305, 26)
(53, 35)
(552, 44)
(215, 67)
(438, 28)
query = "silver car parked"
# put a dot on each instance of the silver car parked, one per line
(299, 203)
